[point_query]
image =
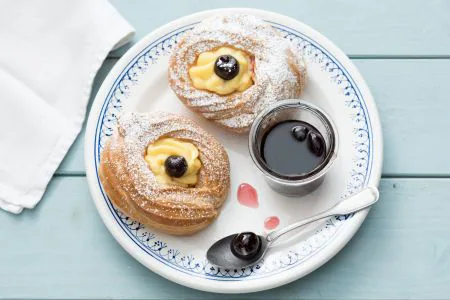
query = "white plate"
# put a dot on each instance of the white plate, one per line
(138, 82)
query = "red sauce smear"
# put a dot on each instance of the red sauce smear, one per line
(271, 222)
(247, 195)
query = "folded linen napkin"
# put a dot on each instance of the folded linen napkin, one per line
(50, 52)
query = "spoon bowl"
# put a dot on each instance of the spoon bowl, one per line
(220, 254)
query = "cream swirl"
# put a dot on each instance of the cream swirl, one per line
(278, 69)
(160, 150)
(203, 76)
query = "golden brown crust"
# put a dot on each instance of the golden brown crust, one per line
(279, 71)
(131, 186)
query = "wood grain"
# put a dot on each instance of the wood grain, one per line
(62, 250)
(412, 99)
(360, 28)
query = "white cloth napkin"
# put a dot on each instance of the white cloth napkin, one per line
(50, 52)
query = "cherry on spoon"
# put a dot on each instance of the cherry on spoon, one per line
(247, 248)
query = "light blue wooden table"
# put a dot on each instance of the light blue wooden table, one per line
(62, 250)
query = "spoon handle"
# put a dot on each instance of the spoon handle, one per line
(363, 199)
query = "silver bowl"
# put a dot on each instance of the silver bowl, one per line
(299, 110)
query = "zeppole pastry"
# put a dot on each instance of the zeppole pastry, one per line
(166, 172)
(228, 68)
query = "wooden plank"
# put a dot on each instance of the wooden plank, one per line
(407, 27)
(412, 100)
(62, 250)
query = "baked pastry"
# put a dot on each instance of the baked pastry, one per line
(166, 172)
(228, 68)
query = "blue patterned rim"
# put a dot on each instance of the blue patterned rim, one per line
(188, 264)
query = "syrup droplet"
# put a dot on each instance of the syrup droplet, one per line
(247, 195)
(271, 222)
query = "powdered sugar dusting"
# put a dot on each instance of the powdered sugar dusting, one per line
(279, 72)
(124, 159)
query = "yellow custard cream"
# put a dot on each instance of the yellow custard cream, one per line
(203, 76)
(159, 151)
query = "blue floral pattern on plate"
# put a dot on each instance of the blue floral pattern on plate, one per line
(151, 244)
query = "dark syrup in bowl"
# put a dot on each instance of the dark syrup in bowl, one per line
(293, 148)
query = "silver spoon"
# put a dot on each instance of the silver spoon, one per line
(222, 255)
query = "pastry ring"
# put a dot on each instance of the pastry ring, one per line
(259, 67)
(134, 158)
